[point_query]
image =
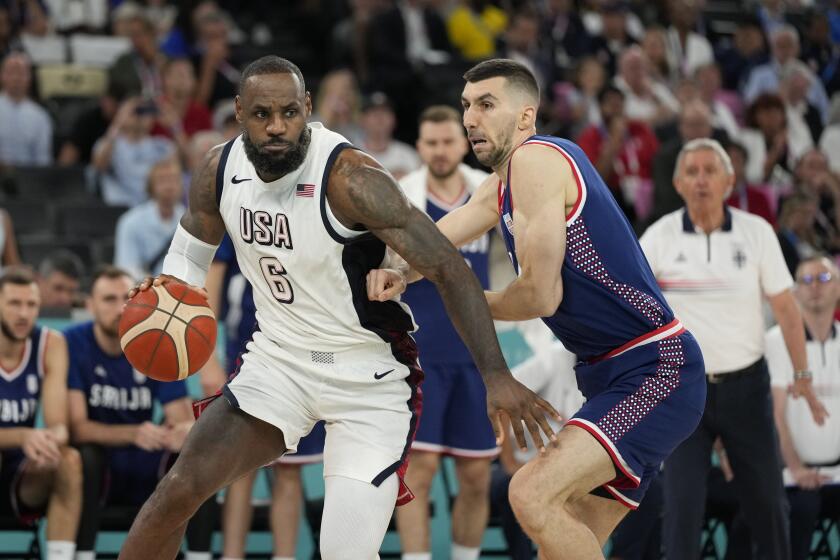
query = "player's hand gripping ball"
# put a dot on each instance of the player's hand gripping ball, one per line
(168, 332)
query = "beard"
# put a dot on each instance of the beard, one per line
(112, 330)
(271, 165)
(9, 333)
(501, 149)
(446, 172)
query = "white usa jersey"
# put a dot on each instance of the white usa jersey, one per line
(307, 270)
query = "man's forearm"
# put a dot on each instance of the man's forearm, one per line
(104, 434)
(12, 438)
(793, 332)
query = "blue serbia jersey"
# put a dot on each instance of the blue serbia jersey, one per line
(610, 295)
(20, 389)
(238, 312)
(116, 393)
(437, 339)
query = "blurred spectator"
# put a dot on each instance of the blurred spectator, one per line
(795, 80)
(774, 142)
(122, 17)
(695, 122)
(745, 196)
(575, 105)
(622, 150)
(183, 35)
(820, 53)
(59, 279)
(707, 78)
(798, 237)
(163, 14)
(38, 37)
(813, 177)
(687, 49)
(645, 99)
(26, 133)
(474, 26)
(654, 47)
(218, 73)
(8, 40)
(520, 42)
(127, 152)
(349, 45)
(89, 127)
(144, 232)
(830, 144)
(614, 39)
(765, 78)
(200, 144)
(811, 452)
(747, 50)
(179, 115)
(378, 123)
(137, 72)
(8, 244)
(338, 103)
(565, 37)
(771, 14)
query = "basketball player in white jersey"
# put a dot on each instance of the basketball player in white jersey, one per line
(309, 217)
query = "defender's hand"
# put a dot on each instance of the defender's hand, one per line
(508, 400)
(384, 284)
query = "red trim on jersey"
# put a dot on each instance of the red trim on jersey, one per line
(578, 178)
(501, 194)
(617, 460)
(9, 373)
(640, 341)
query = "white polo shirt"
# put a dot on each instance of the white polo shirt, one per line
(814, 444)
(715, 283)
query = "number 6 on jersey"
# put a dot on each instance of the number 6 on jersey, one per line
(275, 275)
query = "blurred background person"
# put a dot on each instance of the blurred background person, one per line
(378, 124)
(60, 276)
(27, 132)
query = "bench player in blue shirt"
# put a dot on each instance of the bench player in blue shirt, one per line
(111, 407)
(579, 267)
(39, 472)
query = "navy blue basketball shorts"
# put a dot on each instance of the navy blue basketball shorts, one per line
(12, 467)
(455, 418)
(640, 405)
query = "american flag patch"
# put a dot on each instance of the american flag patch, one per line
(304, 189)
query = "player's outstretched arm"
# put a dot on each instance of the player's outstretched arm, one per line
(199, 232)
(360, 192)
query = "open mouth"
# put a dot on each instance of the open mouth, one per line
(477, 142)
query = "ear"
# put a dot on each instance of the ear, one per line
(527, 118)
(237, 103)
(308, 104)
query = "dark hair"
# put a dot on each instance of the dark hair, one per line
(607, 90)
(18, 275)
(515, 73)
(762, 102)
(270, 64)
(738, 147)
(110, 272)
(439, 114)
(63, 261)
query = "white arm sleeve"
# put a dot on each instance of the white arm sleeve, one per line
(189, 258)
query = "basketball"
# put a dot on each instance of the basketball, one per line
(168, 332)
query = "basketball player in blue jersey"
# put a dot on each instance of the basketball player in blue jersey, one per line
(579, 267)
(309, 217)
(454, 419)
(39, 473)
(111, 406)
(232, 299)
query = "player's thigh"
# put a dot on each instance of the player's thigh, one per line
(224, 444)
(601, 515)
(570, 469)
(35, 484)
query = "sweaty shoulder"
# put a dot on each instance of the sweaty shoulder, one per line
(540, 160)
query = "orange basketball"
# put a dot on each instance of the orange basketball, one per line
(168, 332)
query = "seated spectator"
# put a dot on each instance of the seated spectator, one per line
(575, 104)
(566, 39)
(378, 122)
(655, 48)
(474, 26)
(179, 115)
(830, 144)
(811, 452)
(773, 141)
(613, 38)
(59, 279)
(687, 49)
(765, 78)
(127, 152)
(645, 99)
(819, 52)
(9, 42)
(111, 408)
(26, 133)
(746, 51)
(349, 39)
(773, 14)
(622, 150)
(338, 103)
(795, 80)
(89, 127)
(218, 69)
(39, 473)
(224, 120)
(201, 143)
(8, 244)
(744, 195)
(813, 177)
(520, 42)
(137, 72)
(707, 78)
(145, 231)
(798, 237)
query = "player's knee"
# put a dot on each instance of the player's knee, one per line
(70, 466)
(474, 483)
(527, 499)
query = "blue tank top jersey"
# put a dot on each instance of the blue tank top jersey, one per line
(437, 339)
(20, 389)
(610, 295)
(238, 312)
(116, 393)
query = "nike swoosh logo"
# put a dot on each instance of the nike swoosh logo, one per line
(381, 375)
(236, 181)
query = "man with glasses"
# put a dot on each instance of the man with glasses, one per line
(811, 452)
(716, 265)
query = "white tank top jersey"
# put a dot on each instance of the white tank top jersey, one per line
(307, 270)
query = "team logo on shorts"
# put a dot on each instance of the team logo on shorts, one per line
(32, 384)
(508, 222)
(138, 377)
